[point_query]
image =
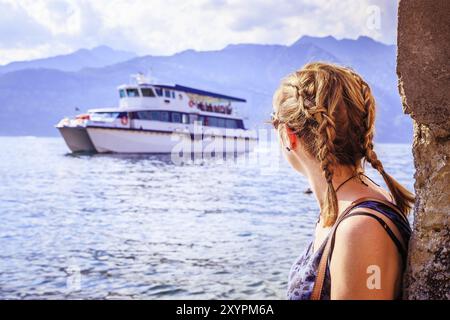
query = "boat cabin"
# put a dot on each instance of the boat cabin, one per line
(177, 97)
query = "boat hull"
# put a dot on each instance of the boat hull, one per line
(77, 139)
(117, 140)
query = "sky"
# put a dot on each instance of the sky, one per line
(31, 29)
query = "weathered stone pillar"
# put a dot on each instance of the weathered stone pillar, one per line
(424, 83)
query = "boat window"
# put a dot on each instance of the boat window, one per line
(176, 117)
(106, 116)
(201, 119)
(212, 121)
(173, 94)
(159, 92)
(133, 92)
(133, 115)
(161, 116)
(122, 93)
(165, 116)
(184, 118)
(155, 115)
(143, 115)
(231, 123)
(147, 92)
(167, 93)
(221, 122)
(218, 122)
(193, 118)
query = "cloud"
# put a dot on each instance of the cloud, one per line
(161, 27)
(18, 29)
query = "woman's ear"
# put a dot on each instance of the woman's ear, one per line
(292, 138)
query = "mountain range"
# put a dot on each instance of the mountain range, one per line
(83, 58)
(36, 94)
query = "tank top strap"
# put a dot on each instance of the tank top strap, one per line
(396, 216)
(398, 220)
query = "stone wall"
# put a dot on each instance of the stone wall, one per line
(424, 84)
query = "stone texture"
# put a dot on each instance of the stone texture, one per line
(424, 83)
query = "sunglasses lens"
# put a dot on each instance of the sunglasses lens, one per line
(275, 121)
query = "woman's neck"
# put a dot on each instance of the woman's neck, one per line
(318, 183)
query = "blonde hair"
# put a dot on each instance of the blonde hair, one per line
(332, 111)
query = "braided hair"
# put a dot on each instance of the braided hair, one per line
(332, 111)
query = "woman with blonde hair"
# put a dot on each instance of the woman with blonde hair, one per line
(325, 116)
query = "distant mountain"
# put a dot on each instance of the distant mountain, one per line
(376, 61)
(33, 101)
(97, 57)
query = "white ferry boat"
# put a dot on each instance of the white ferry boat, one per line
(157, 118)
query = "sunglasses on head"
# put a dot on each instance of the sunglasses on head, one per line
(274, 121)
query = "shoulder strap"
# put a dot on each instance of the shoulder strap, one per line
(320, 277)
(386, 203)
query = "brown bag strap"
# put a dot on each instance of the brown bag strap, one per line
(318, 284)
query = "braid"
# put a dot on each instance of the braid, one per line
(368, 105)
(327, 158)
(403, 198)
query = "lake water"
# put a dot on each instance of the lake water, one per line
(140, 227)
